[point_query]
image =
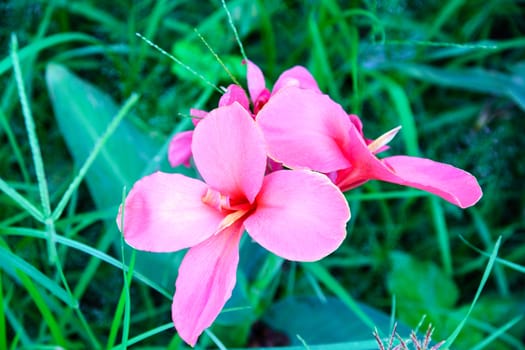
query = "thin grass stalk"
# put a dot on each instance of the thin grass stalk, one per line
(450, 340)
(3, 334)
(35, 151)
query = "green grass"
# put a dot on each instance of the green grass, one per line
(450, 73)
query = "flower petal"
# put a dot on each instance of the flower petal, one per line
(364, 164)
(356, 121)
(164, 213)
(198, 115)
(305, 129)
(229, 152)
(446, 181)
(300, 215)
(205, 282)
(179, 150)
(450, 183)
(296, 76)
(235, 93)
(255, 79)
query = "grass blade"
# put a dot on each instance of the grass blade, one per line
(3, 336)
(35, 150)
(123, 306)
(18, 328)
(321, 57)
(484, 279)
(485, 236)
(146, 335)
(509, 264)
(11, 263)
(234, 29)
(21, 201)
(497, 333)
(42, 306)
(90, 251)
(14, 145)
(45, 43)
(402, 106)
(440, 226)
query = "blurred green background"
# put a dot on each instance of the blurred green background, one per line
(103, 104)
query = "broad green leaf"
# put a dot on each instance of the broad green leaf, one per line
(83, 113)
(421, 288)
(353, 345)
(325, 322)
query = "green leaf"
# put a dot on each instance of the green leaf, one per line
(333, 285)
(421, 288)
(83, 113)
(322, 322)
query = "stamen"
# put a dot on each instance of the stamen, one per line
(216, 199)
(232, 209)
(232, 218)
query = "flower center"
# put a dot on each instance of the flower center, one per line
(261, 101)
(233, 208)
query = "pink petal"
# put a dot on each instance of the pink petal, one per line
(300, 215)
(446, 181)
(364, 164)
(356, 121)
(179, 150)
(297, 76)
(235, 93)
(198, 115)
(450, 183)
(205, 282)
(255, 78)
(229, 152)
(305, 129)
(164, 213)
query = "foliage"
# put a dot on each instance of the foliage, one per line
(87, 107)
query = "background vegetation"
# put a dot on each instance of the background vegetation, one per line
(91, 107)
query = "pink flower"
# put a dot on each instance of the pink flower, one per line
(316, 133)
(179, 151)
(296, 76)
(297, 214)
